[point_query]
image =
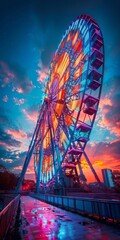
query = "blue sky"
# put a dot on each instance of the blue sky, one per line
(30, 32)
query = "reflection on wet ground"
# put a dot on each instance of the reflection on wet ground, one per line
(46, 222)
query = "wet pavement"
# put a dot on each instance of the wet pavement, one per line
(46, 222)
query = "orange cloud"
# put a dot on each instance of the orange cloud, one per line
(105, 155)
(31, 115)
(109, 115)
(30, 174)
(4, 144)
(19, 90)
(17, 133)
(42, 73)
(105, 101)
(102, 155)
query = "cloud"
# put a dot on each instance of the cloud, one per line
(42, 73)
(9, 132)
(12, 159)
(7, 141)
(5, 98)
(110, 115)
(18, 101)
(18, 168)
(12, 141)
(102, 155)
(13, 147)
(8, 160)
(30, 171)
(21, 136)
(19, 90)
(31, 115)
(18, 134)
(3, 144)
(16, 75)
(105, 155)
(109, 108)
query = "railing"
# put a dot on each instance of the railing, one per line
(7, 215)
(106, 209)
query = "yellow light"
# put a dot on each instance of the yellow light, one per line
(75, 89)
(59, 70)
(63, 137)
(68, 120)
(55, 121)
(46, 141)
(59, 108)
(64, 79)
(78, 73)
(68, 38)
(61, 94)
(75, 38)
(74, 104)
(78, 60)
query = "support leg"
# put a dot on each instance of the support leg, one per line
(39, 171)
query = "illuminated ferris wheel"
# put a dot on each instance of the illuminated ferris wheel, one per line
(69, 108)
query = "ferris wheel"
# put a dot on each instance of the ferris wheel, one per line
(70, 105)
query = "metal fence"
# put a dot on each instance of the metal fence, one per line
(102, 208)
(7, 216)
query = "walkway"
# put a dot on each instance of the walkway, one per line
(46, 222)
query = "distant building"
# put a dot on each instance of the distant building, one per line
(108, 178)
(116, 176)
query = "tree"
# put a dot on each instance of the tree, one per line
(8, 180)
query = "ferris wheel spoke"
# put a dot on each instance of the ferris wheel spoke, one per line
(52, 138)
(43, 133)
(55, 142)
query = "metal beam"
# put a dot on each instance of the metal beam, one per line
(53, 149)
(89, 163)
(30, 152)
(39, 170)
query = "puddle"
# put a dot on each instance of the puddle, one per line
(46, 222)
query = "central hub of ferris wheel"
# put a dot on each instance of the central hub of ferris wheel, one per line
(68, 112)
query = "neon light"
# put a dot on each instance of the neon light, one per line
(68, 120)
(74, 104)
(75, 38)
(78, 73)
(64, 79)
(78, 60)
(78, 46)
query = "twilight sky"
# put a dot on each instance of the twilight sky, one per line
(30, 32)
